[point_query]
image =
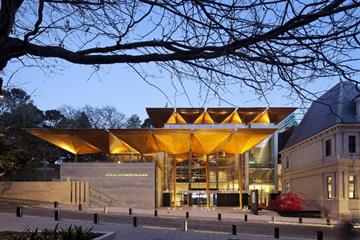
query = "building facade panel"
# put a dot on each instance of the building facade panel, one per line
(115, 184)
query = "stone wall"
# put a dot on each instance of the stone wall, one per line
(113, 184)
(62, 192)
(309, 169)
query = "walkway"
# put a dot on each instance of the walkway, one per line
(123, 231)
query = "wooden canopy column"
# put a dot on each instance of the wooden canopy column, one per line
(240, 178)
(207, 182)
(174, 181)
(190, 177)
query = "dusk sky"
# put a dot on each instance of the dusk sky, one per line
(118, 85)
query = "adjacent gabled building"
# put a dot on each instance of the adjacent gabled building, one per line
(321, 160)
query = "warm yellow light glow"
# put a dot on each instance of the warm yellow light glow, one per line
(141, 140)
(173, 141)
(144, 141)
(176, 118)
(117, 146)
(206, 141)
(262, 118)
(204, 118)
(242, 140)
(69, 140)
(233, 118)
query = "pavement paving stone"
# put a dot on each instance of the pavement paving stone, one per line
(123, 231)
(202, 213)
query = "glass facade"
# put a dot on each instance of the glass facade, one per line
(262, 170)
(191, 177)
(258, 173)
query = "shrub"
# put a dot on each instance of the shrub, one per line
(287, 202)
(70, 233)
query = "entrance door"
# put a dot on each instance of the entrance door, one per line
(198, 198)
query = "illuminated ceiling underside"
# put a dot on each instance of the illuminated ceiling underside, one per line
(145, 141)
(76, 141)
(162, 116)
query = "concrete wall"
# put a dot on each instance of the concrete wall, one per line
(63, 192)
(113, 184)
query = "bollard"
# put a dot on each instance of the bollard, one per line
(134, 222)
(187, 214)
(233, 229)
(56, 204)
(105, 210)
(328, 221)
(185, 225)
(80, 207)
(19, 211)
(319, 235)
(155, 213)
(276, 232)
(57, 215)
(245, 218)
(96, 218)
(273, 219)
(130, 211)
(300, 219)
(219, 216)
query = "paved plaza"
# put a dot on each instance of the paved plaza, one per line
(202, 223)
(123, 231)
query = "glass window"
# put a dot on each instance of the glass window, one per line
(328, 147)
(287, 163)
(287, 186)
(351, 187)
(329, 187)
(352, 144)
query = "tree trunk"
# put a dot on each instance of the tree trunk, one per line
(7, 17)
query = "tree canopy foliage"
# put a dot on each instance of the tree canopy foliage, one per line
(259, 44)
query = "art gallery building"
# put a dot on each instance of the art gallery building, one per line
(193, 156)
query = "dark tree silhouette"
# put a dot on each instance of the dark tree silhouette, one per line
(259, 44)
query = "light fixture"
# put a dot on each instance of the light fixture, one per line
(1, 90)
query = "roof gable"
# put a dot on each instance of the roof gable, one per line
(335, 106)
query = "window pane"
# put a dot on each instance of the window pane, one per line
(351, 186)
(287, 162)
(352, 144)
(351, 178)
(287, 186)
(329, 187)
(328, 147)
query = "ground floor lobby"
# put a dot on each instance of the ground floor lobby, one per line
(148, 185)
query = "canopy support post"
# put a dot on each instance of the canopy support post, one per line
(174, 181)
(240, 181)
(189, 176)
(75, 157)
(207, 182)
